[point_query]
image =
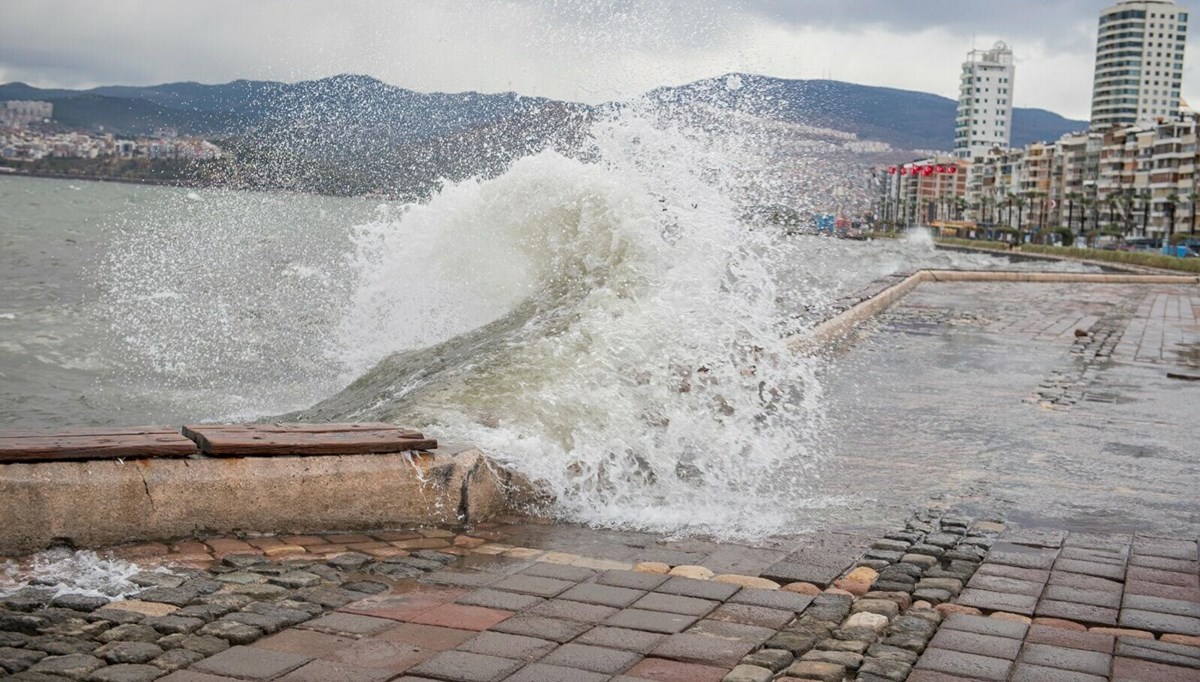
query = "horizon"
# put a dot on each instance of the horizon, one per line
(570, 50)
(503, 92)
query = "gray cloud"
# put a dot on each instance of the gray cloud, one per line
(572, 49)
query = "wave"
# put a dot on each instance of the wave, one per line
(607, 326)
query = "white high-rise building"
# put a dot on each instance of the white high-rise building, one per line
(984, 102)
(1139, 62)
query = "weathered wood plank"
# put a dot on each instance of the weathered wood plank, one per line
(80, 446)
(89, 431)
(191, 430)
(246, 441)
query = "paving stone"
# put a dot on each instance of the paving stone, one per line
(788, 571)
(554, 629)
(749, 673)
(891, 653)
(462, 617)
(79, 602)
(533, 585)
(126, 672)
(59, 645)
(16, 660)
(1149, 589)
(895, 671)
(540, 672)
(1088, 641)
(816, 670)
(699, 589)
(772, 599)
(994, 583)
(129, 652)
(462, 666)
(306, 642)
(933, 596)
(847, 659)
(798, 644)
(73, 666)
(1101, 598)
(690, 647)
(426, 637)
(176, 659)
(621, 638)
(673, 603)
(1164, 564)
(1021, 556)
(251, 663)
(771, 659)
(1027, 574)
(1162, 547)
(1093, 568)
(497, 599)
(572, 610)
(1159, 622)
(325, 671)
(268, 624)
(882, 607)
(1116, 558)
(973, 643)
(380, 654)
(1178, 607)
(204, 644)
(13, 639)
(364, 586)
(573, 574)
(1080, 613)
(650, 621)
(1091, 662)
(966, 665)
(998, 601)
(850, 645)
(284, 614)
(634, 580)
(234, 633)
(173, 624)
(604, 595)
(722, 630)
(1138, 670)
(1166, 653)
(1026, 672)
(986, 626)
(594, 658)
(752, 615)
(662, 670)
(509, 646)
(130, 632)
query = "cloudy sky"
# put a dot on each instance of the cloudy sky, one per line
(569, 49)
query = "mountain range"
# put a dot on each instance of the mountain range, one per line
(360, 111)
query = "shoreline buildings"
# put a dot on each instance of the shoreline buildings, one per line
(984, 117)
(1134, 173)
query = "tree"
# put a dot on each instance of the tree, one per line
(1020, 201)
(1144, 195)
(1172, 202)
(1192, 205)
(1071, 198)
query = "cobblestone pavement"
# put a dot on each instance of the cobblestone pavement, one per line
(524, 600)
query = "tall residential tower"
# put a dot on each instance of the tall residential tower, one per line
(1139, 62)
(984, 102)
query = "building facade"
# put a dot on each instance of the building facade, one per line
(1139, 62)
(984, 117)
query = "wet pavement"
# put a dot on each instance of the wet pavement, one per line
(987, 396)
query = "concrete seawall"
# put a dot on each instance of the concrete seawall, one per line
(102, 503)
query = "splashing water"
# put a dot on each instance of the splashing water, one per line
(66, 571)
(609, 328)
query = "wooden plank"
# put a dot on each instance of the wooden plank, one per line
(191, 430)
(82, 447)
(242, 442)
(89, 431)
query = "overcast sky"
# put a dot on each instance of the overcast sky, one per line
(567, 49)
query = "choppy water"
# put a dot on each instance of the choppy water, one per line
(611, 327)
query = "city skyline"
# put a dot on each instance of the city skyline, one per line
(582, 51)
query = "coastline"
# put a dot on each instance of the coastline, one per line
(163, 182)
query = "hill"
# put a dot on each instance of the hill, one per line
(346, 110)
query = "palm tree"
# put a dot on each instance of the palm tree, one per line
(1172, 202)
(1071, 198)
(1020, 200)
(1192, 205)
(1144, 195)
